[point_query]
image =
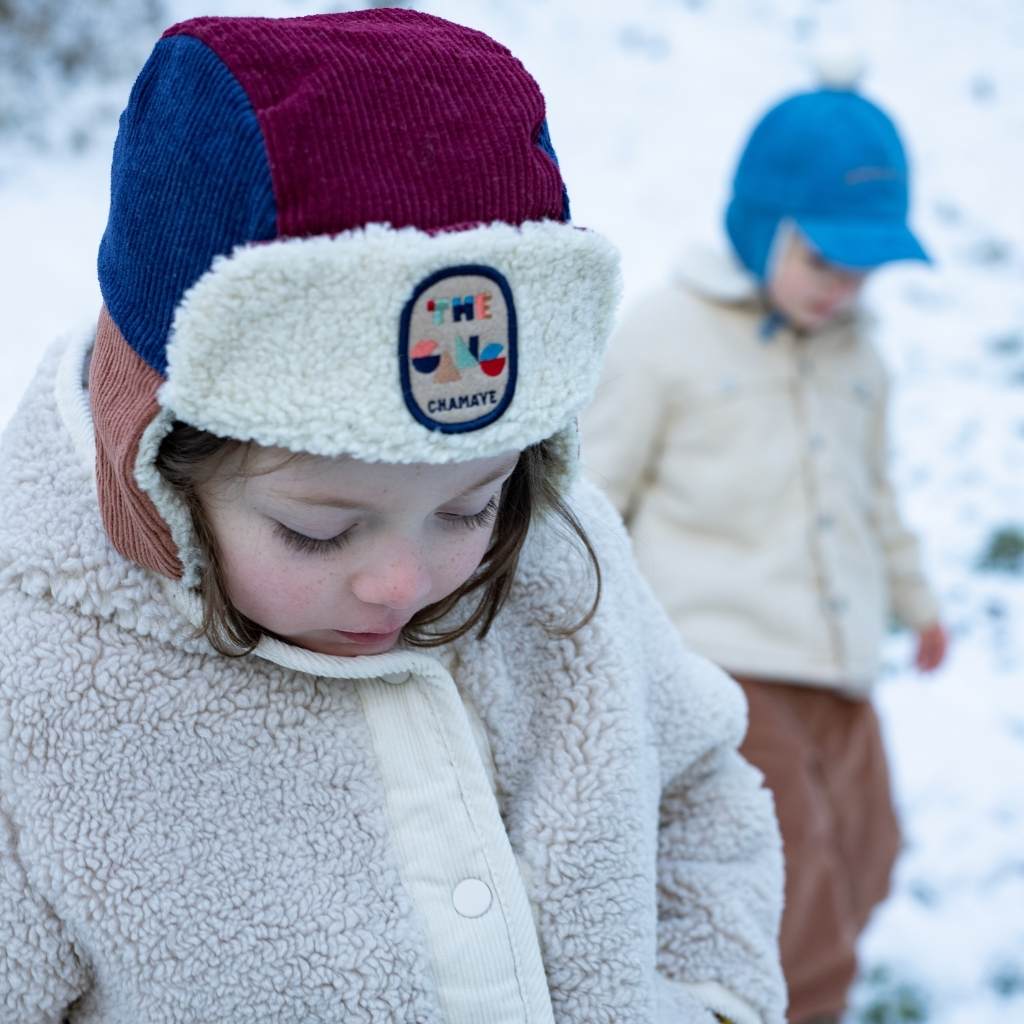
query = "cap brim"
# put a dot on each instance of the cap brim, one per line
(862, 245)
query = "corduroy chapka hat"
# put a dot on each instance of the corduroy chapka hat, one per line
(831, 162)
(336, 234)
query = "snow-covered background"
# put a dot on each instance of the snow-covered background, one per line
(648, 104)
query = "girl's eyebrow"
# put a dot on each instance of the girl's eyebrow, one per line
(332, 501)
(319, 499)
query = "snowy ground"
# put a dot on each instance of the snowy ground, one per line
(648, 103)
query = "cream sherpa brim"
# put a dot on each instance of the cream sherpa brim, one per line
(299, 344)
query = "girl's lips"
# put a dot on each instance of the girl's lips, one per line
(369, 638)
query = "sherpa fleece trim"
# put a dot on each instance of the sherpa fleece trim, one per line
(296, 344)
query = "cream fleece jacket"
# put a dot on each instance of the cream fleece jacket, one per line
(752, 472)
(290, 837)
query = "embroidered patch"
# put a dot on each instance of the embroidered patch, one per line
(457, 349)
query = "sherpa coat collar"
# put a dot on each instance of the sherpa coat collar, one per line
(186, 837)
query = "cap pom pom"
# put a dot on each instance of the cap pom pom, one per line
(839, 68)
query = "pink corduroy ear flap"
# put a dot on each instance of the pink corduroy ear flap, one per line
(122, 392)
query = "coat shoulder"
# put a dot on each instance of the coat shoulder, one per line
(675, 331)
(688, 698)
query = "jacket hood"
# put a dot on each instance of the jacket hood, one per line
(714, 273)
(52, 539)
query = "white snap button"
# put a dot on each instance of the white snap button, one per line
(471, 897)
(397, 678)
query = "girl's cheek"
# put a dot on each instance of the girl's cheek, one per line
(464, 556)
(271, 587)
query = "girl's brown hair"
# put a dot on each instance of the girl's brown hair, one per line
(189, 458)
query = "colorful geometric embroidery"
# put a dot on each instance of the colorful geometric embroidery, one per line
(490, 360)
(425, 357)
(457, 349)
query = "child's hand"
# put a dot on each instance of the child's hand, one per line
(932, 643)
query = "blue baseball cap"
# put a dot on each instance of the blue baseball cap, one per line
(832, 163)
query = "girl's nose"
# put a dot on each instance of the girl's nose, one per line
(396, 578)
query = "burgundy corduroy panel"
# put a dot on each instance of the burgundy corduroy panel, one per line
(450, 113)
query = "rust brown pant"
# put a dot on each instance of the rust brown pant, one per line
(823, 759)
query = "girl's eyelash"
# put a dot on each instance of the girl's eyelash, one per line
(484, 517)
(310, 545)
(314, 546)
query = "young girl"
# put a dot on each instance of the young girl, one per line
(323, 696)
(742, 432)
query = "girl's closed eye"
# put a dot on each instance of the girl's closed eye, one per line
(311, 545)
(302, 542)
(485, 517)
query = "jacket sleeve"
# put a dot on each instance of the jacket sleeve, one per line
(912, 599)
(40, 975)
(718, 849)
(623, 428)
(720, 874)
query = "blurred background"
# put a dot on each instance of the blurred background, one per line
(649, 102)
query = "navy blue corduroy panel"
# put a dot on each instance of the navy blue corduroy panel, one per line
(544, 141)
(190, 180)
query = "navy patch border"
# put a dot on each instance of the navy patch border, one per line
(513, 348)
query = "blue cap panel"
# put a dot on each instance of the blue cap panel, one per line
(544, 141)
(827, 153)
(190, 180)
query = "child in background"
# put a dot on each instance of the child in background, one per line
(741, 431)
(312, 705)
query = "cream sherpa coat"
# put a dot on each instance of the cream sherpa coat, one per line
(290, 837)
(753, 474)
